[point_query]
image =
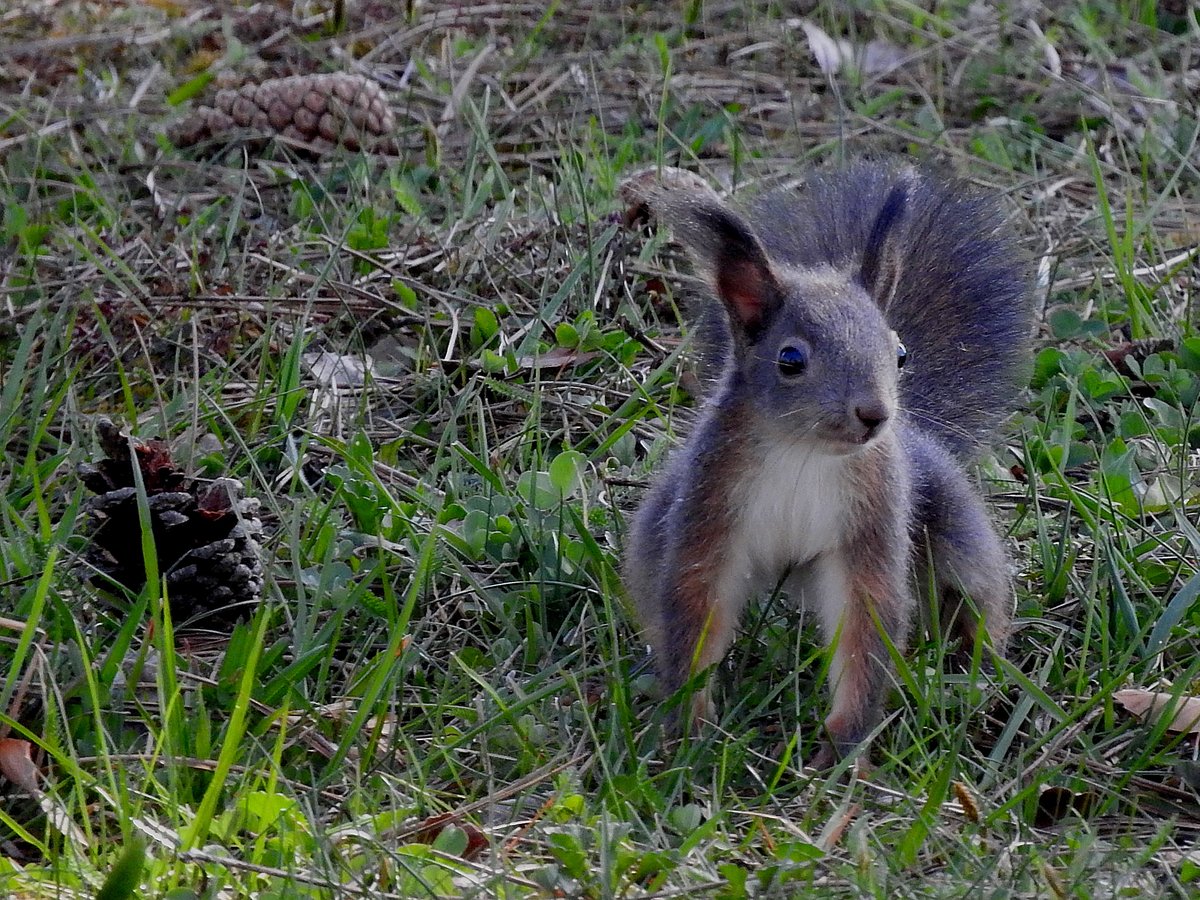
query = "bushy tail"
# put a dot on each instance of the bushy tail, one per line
(962, 304)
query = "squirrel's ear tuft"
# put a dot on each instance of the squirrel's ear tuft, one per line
(882, 257)
(731, 257)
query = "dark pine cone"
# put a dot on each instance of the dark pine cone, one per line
(206, 536)
(319, 111)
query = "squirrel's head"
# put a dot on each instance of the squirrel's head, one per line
(812, 351)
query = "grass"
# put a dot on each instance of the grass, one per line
(442, 692)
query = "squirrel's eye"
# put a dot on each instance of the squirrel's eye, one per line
(793, 360)
(901, 355)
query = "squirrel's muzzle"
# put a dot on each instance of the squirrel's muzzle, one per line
(870, 417)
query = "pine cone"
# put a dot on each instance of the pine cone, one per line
(206, 536)
(321, 111)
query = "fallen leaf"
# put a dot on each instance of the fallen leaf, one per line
(435, 825)
(337, 370)
(1140, 350)
(17, 765)
(1149, 704)
(557, 358)
(835, 828)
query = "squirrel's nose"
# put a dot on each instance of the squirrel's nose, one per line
(872, 415)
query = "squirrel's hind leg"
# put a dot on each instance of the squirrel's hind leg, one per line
(970, 567)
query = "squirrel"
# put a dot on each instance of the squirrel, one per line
(872, 331)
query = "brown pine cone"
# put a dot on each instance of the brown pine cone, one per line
(206, 536)
(321, 111)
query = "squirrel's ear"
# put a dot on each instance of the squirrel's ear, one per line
(882, 257)
(730, 256)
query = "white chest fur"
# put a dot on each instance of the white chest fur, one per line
(794, 510)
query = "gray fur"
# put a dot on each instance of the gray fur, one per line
(814, 453)
(962, 304)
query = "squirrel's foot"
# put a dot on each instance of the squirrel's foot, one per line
(704, 710)
(828, 756)
(962, 659)
(699, 713)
